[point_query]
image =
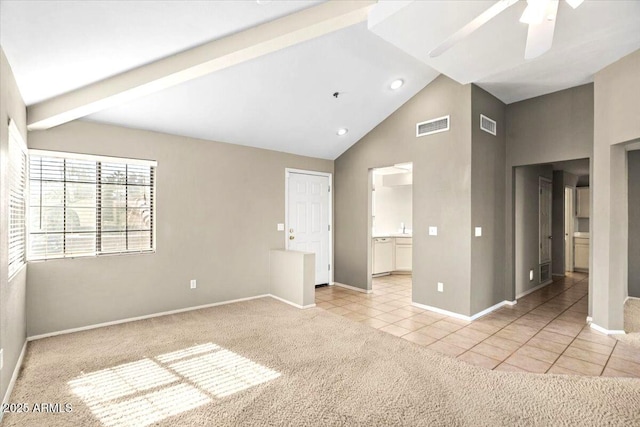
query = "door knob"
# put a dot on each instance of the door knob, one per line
(291, 230)
(292, 237)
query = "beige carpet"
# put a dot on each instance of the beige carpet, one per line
(631, 324)
(632, 315)
(262, 362)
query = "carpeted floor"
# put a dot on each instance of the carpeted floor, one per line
(632, 315)
(262, 362)
(631, 324)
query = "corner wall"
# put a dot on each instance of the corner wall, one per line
(487, 202)
(217, 209)
(634, 223)
(12, 292)
(617, 122)
(441, 195)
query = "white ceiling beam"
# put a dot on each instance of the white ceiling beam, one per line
(199, 61)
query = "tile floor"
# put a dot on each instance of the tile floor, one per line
(545, 332)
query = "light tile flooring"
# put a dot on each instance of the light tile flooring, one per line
(545, 332)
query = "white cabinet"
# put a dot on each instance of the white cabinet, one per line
(404, 249)
(382, 255)
(581, 253)
(583, 202)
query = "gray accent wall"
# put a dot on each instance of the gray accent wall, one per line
(545, 129)
(634, 223)
(527, 229)
(487, 202)
(441, 195)
(217, 209)
(12, 292)
(617, 123)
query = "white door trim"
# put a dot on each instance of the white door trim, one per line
(569, 228)
(329, 175)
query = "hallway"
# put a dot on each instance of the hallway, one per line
(545, 332)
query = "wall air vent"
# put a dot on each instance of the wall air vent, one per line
(545, 273)
(441, 124)
(487, 125)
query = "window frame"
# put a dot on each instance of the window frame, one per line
(99, 159)
(16, 140)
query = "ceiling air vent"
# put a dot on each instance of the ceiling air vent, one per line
(487, 125)
(441, 124)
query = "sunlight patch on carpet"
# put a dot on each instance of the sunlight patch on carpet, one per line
(147, 391)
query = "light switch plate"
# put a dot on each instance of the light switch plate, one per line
(478, 231)
(433, 231)
(193, 283)
(280, 227)
(440, 287)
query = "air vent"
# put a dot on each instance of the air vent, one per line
(441, 124)
(545, 273)
(487, 125)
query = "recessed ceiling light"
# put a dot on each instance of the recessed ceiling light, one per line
(342, 131)
(396, 84)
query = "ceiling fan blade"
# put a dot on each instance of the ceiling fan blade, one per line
(540, 36)
(478, 22)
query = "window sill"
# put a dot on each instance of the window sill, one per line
(91, 256)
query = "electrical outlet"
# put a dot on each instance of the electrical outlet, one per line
(433, 231)
(478, 231)
(531, 275)
(193, 283)
(280, 227)
(440, 287)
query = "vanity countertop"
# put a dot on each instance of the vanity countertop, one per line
(376, 236)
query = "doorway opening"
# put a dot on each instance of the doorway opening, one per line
(391, 231)
(308, 218)
(551, 223)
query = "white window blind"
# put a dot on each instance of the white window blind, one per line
(83, 205)
(17, 199)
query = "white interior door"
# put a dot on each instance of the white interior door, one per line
(545, 220)
(569, 210)
(308, 219)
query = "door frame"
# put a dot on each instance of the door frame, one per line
(569, 228)
(287, 172)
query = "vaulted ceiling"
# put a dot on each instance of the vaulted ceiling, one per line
(283, 99)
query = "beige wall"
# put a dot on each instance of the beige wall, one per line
(441, 195)
(549, 128)
(617, 122)
(12, 292)
(217, 210)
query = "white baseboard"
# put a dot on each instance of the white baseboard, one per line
(606, 331)
(532, 290)
(292, 303)
(589, 319)
(133, 319)
(14, 377)
(628, 298)
(462, 316)
(353, 288)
